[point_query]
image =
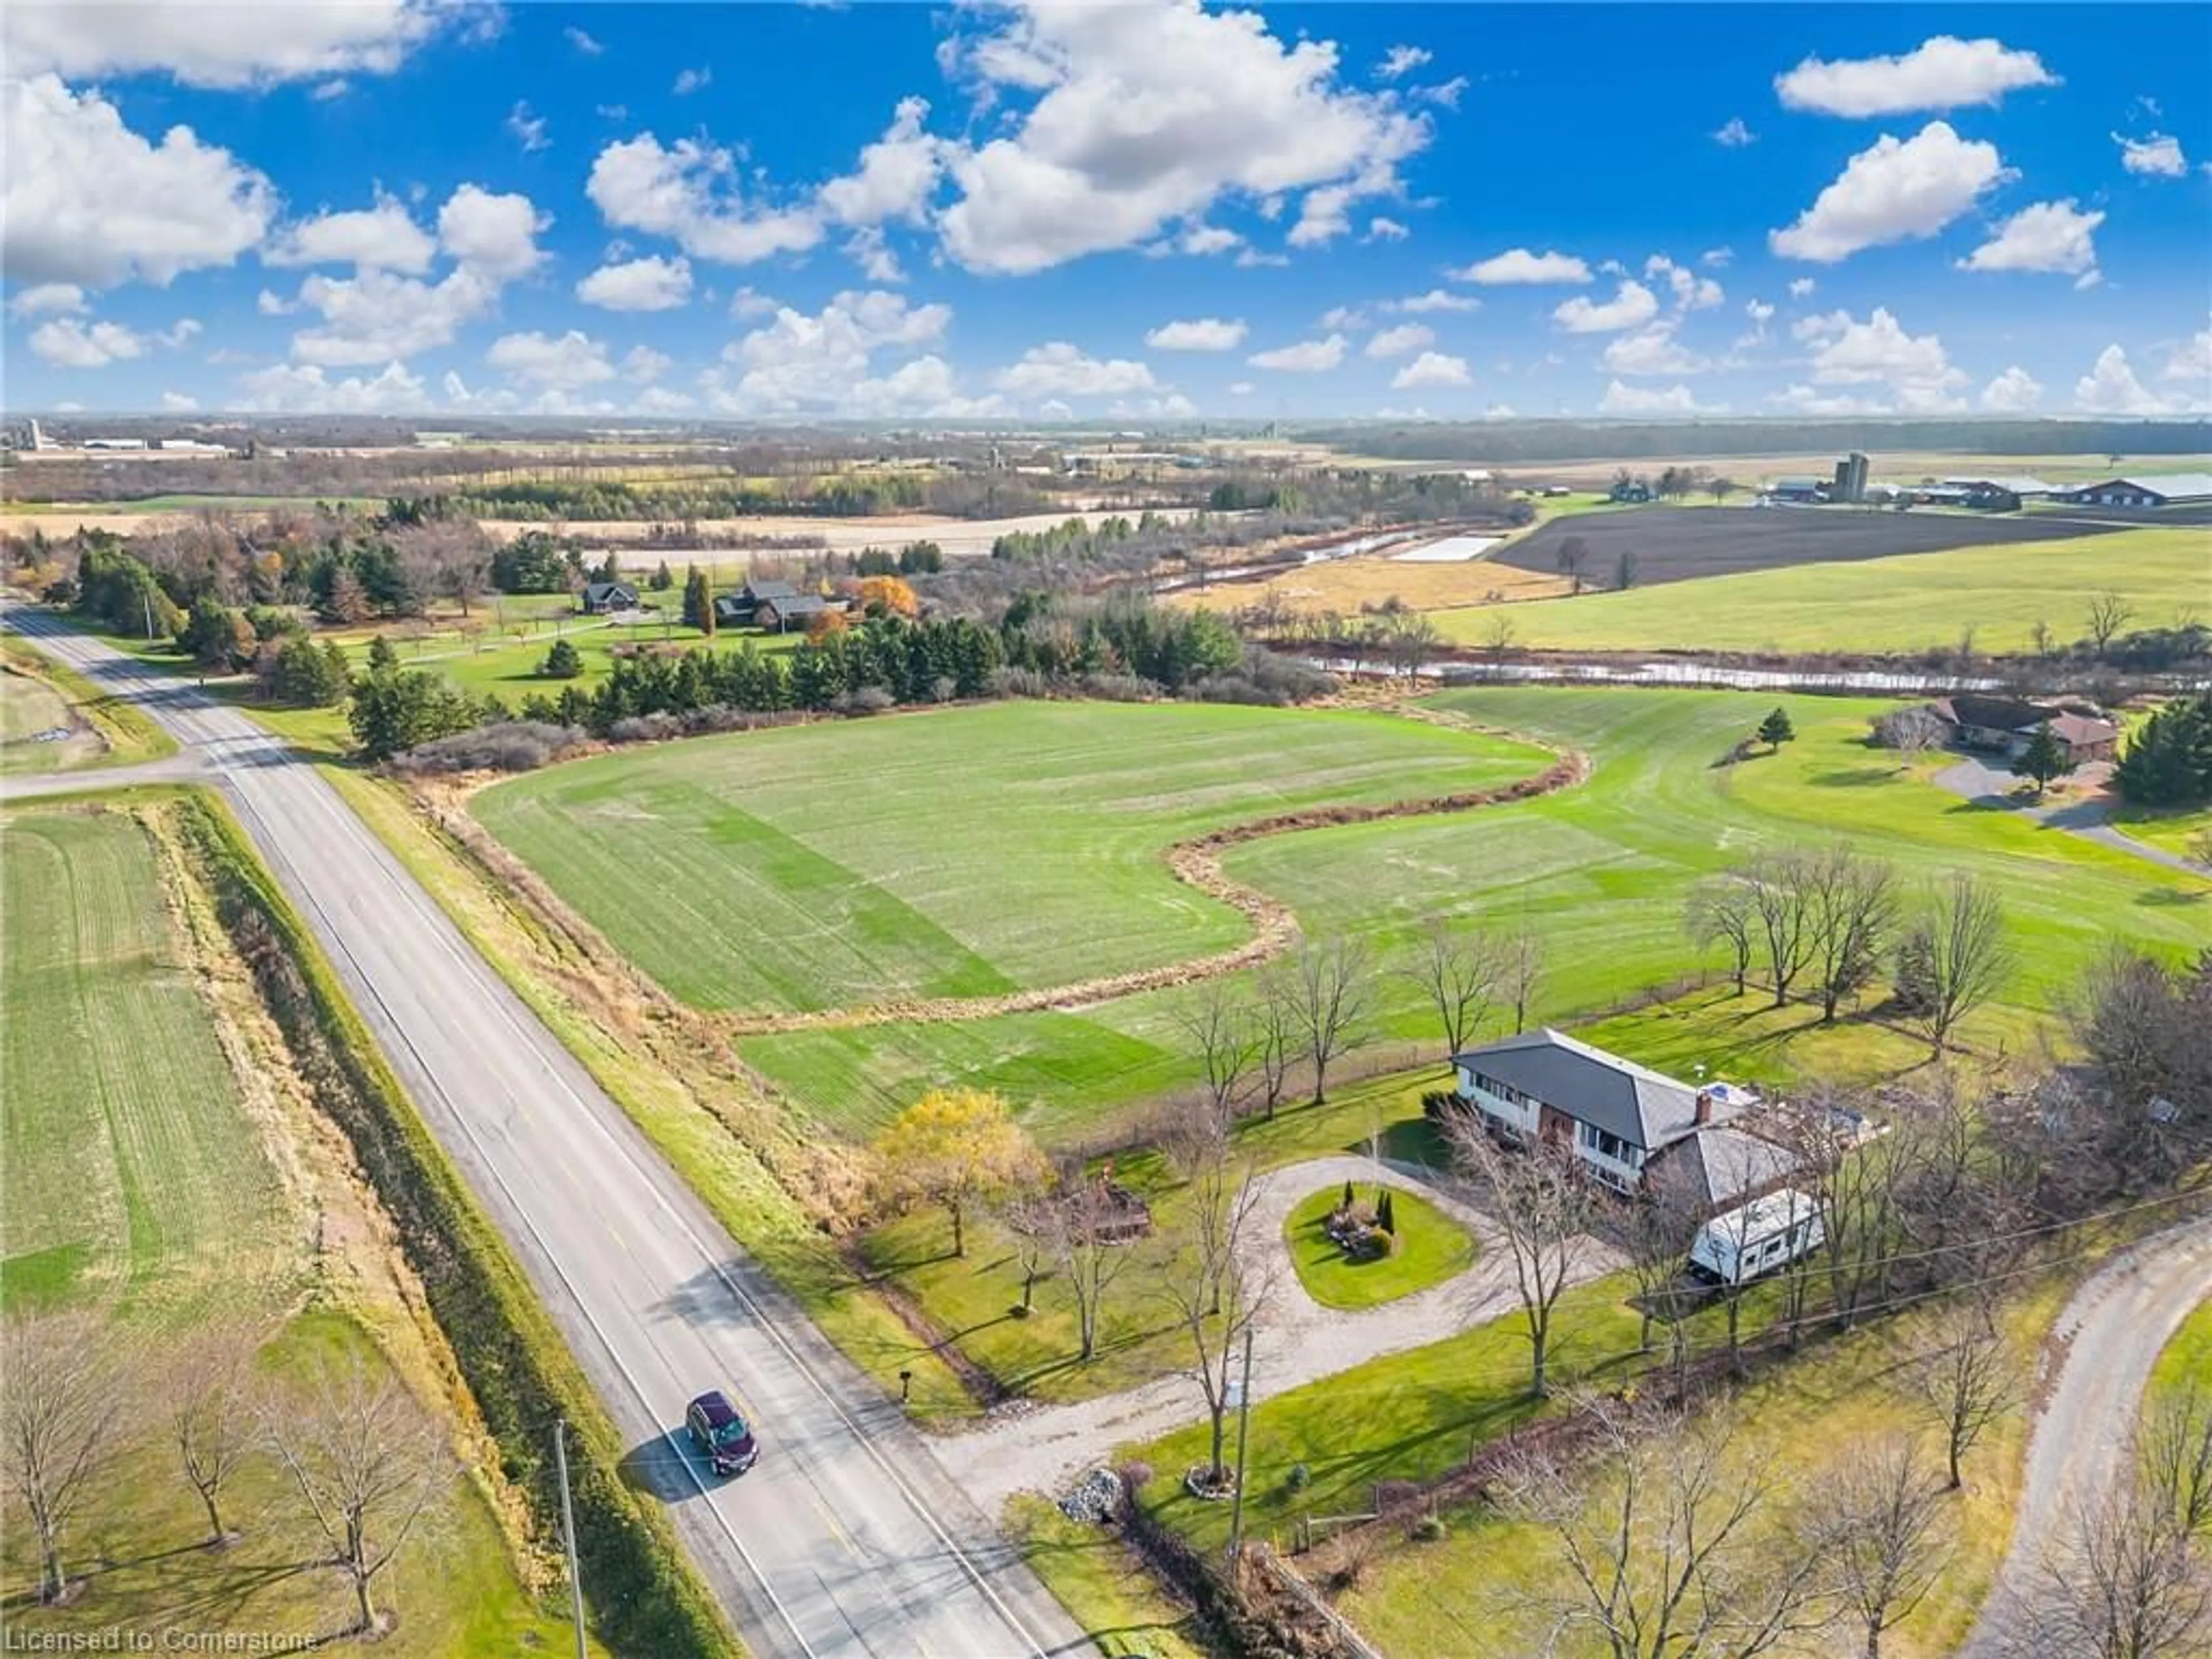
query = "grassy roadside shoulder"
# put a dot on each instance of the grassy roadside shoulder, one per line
(1103, 1582)
(700, 1122)
(131, 737)
(515, 1362)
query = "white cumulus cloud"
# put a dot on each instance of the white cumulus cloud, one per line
(2016, 392)
(287, 388)
(685, 192)
(1305, 357)
(1519, 265)
(493, 233)
(572, 360)
(45, 298)
(1199, 334)
(2158, 156)
(67, 342)
(1915, 367)
(652, 283)
(1432, 368)
(218, 45)
(87, 200)
(383, 237)
(823, 362)
(1059, 370)
(1147, 113)
(2053, 236)
(1401, 341)
(1941, 73)
(1435, 299)
(1632, 306)
(1895, 192)
(1620, 399)
(2111, 388)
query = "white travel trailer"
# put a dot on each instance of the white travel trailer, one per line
(1739, 1245)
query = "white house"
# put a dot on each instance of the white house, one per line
(1617, 1117)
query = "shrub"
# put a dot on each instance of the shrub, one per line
(1442, 1105)
(867, 699)
(1429, 1529)
(562, 662)
(646, 728)
(1018, 683)
(501, 746)
(1117, 688)
(1135, 1474)
(1299, 1478)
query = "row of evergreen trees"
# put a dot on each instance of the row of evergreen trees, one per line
(2168, 761)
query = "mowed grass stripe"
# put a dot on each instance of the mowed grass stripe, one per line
(1908, 602)
(131, 1120)
(1599, 873)
(978, 850)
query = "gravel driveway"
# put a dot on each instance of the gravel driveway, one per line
(1986, 785)
(1299, 1341)
(2105, 1344)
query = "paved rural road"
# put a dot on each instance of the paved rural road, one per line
(2106, 1342)
(847, 1539)
(1296, 1340)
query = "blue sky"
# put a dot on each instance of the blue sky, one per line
(1138, 209)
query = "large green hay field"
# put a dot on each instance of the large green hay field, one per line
(1599, 873)
(140, 1180)
(1912, 602)
(969, 853)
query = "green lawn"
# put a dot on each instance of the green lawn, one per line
(1914, 602)
(958, 853)
(1428, 1247)
(2187, 1358)
(38, 694)
(1103, 1583)
(499, 650)
(1599, 873)
(141, 1179)
(1486, 1586)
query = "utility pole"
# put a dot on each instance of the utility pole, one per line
(568, 1533)
(1243, 1426)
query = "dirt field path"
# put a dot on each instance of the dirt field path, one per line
(1298, 1341)
(2105, 1345)
(1196, 863)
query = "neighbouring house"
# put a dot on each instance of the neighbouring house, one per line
(2004, 725)
(742, 609)
(1630, 489)
(732, 611)
(2168, 490)
(782, 615)
(1620, 1119)
(599, 598)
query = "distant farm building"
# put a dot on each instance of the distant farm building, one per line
(2174, 490)
(1851, 481)
(1999, 494)
(1799, 490)
(1630, 489)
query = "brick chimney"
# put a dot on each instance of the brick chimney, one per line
(1705, 1107)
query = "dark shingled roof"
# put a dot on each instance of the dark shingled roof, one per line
(770, 590)
(1719, 1164)
(1618, 1096)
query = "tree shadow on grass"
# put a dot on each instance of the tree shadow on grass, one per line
(2168, 896)
(1846, 777)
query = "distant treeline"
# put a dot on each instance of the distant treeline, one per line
(1528, 442)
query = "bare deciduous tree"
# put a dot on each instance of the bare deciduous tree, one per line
(56, 1415)
(1968, 1382)
(213, 1419)
(1523, 959)
(1781, 906)
(1275, 1030)
(1852, 904)
(2128, 1584)
(1681, 1554)
(1968, 960)
(1077, 1223)
(1329, 992)
(2108, 614)
(1881, 1525)
(1207, 1279)
(1911, 732)
(1724, 910)
(1543, 1203)
(2174, 1448)
(1460, 971)
(368, 1464)
(1657, 1231)
(1228, 1042)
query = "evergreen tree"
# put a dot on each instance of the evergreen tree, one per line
(700, 597)
(662, 579)
(338, 669)
(609, 568)
(694, 586)
(1349, 1198)
(1775, 730)
(562, 662)
(345, 601)
(1386, 1217)
(2168, 761)
(382, 658)
(1915, 987)
(2044, 758)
